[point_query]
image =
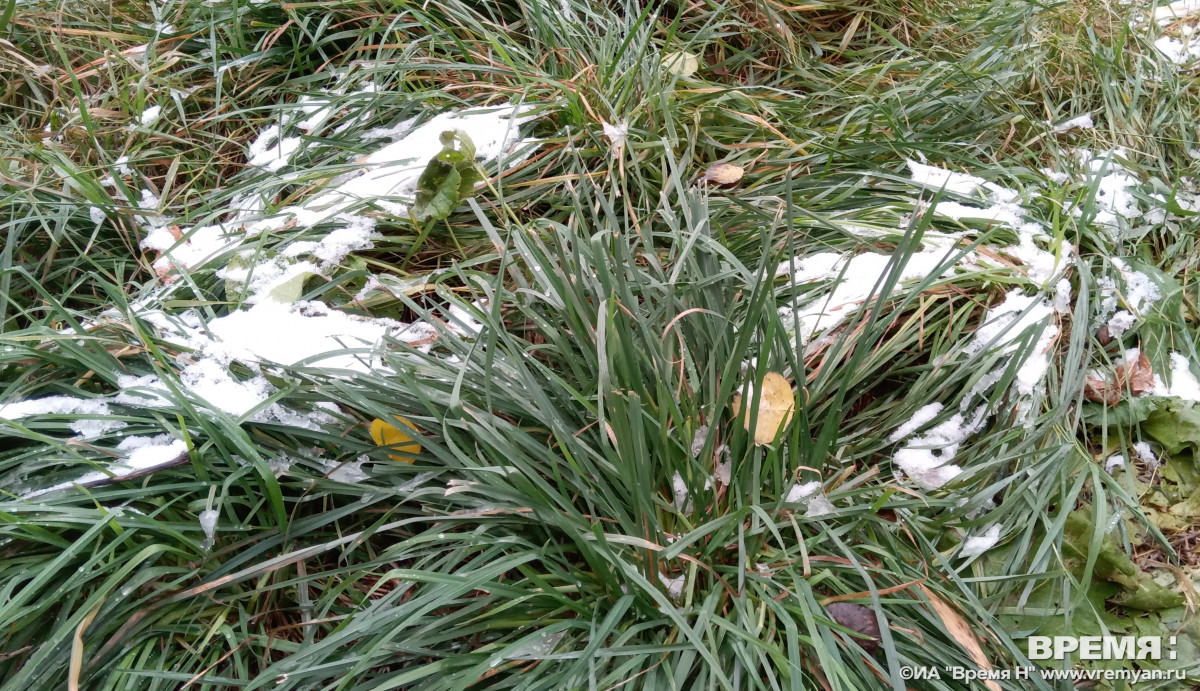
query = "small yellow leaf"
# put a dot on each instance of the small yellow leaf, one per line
(724, 173)
(682, 64)
(776, 403)
(386, 434)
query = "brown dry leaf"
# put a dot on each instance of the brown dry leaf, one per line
(724, 174)
(961, 632)
(776, 403)
(1140, 376)
(1102, 390)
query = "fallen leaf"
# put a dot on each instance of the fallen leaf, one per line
(857, 618)
(1137, 377)
(723, 173)
(386, 434)
(1140, 376)
(776, 403)
(961, 631)
(682, 64)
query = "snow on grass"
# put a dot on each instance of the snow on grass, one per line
(270, 150)
(150, 116)
(919, 419)
(143, 454)
(799, 493)
(1004, 326)
(208, 524)
(927, 459)
(855, 279)
(1114, 461)
(1184, 384)
(976, 545)
(95, 423)
(311, 332)
(1083, 122)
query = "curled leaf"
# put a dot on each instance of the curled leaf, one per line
(776, 403)
(402, 446)
(724, 174)
(860, 619)
(448, 178)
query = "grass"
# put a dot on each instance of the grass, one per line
(623, 304)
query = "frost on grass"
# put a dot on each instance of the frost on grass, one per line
(976, 545)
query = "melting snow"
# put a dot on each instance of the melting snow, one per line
(977, 545)
(67, 405)
(924, 415)
(150, 116)
(1083, 122)
(144, 453)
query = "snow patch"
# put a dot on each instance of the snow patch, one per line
(978, 544)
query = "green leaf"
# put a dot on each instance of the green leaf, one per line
(437, 191)
(449, 177)
(1176, 426)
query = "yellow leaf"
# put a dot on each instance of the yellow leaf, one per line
(682, 64)
(961, 631)
(386, 434)
(723, 174)
(776, 403)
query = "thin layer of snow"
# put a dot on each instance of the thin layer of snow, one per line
(683, 500)
(349, 472)
(819, 506)
(195, 248)
(939, 178)
(1114, 461)
(723, 473)
(919, 419)
(855, 279)
(1114, 184)
(1165, 14)
(272, 151)
(1083, 122)
(1005, 325)
(1120, 323)
(927, 459)
(289, 333)
(144, 453)
(617, 134)
(978, 544)
(67, 405)
(1176, 50)
(96, 214)
(1140, 290)
(1184, 384)
(799, 493)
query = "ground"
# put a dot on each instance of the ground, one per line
(563, 344)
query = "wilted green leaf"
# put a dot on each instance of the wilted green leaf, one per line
(449, 178)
